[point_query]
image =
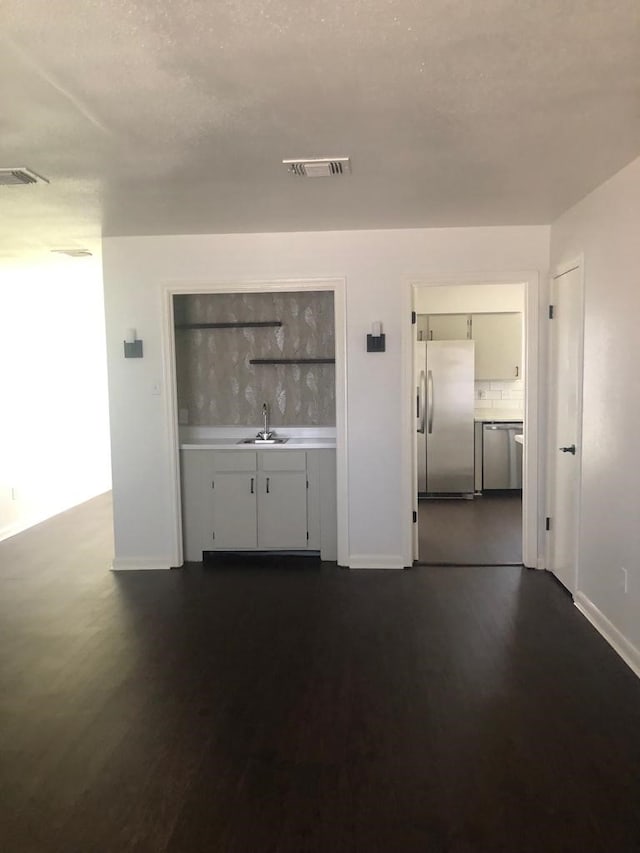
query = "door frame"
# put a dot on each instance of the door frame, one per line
(561, 269)
(339, 288)
(531, 508)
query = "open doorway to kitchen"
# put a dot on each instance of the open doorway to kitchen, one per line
(228, 351)
(470, 385)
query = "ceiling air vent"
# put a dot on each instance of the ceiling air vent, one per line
(73, 253)
(19, 176)
(320, 167)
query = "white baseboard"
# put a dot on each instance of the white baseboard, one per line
(627, 651)
(139, 564)
(376, 561)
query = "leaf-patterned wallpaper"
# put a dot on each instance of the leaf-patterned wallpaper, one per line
(218, 386)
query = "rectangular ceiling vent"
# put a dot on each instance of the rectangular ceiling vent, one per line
(20, 175)
(73, 253)
(319, 167)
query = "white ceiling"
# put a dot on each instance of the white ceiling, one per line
(155, 117)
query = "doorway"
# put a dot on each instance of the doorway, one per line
(338, 289)
(491, 516)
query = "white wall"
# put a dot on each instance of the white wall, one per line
(54, 428)
(605, 227)
(379, 267)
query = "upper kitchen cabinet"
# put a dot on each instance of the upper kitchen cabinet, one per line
(498, 339)
(443, 327)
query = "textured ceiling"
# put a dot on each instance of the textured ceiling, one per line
(156, 117)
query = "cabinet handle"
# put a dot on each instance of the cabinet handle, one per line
(252, 485)
(517, 371)
(267, 485)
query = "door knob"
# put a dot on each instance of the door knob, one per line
(571, 449)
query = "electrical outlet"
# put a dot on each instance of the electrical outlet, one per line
(14, 493)
(626, 578)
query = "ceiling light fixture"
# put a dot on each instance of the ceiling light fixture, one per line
(318, 167)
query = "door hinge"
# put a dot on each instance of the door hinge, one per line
(551, 312)
(414, 318)
(415, 517)
(547, 523)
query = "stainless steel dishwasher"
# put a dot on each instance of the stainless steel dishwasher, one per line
(501, 456)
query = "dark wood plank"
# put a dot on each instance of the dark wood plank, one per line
(484, 531)
(287, 706)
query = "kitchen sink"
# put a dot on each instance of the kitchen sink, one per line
(262, 441)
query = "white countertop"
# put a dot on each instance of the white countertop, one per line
(293, 443)
(498, 415)
(227, 438)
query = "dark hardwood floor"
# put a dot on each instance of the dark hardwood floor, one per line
(288, 706)
(484, 531)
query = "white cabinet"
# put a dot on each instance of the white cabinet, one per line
(282, 509)
(259, 500)
(444, 327)
(498, 339)
(265, 500)
(234, 517)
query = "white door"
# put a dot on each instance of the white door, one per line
(565, 425)
(234, 510)
(282, 509)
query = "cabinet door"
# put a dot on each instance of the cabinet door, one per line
(498, 339)
(422, 327)
(234, 510)
(282, 509)
(448, 327)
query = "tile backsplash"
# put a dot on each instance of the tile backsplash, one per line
(500, 395)
(217, 384)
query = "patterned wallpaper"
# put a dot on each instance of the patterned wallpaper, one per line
(218, 386)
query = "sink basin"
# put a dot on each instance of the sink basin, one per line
(262, 441)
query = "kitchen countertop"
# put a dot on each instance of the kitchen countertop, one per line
(227, 438)
(498, 415)
(294, 443)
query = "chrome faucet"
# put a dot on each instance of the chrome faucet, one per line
(265, 435)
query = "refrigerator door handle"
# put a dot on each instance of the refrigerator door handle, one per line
(421, 397)
(429, 402)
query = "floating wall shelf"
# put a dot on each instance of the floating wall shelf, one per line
(248, 325)
(292, 361)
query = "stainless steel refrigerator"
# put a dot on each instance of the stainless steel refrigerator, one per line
(444, 372)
